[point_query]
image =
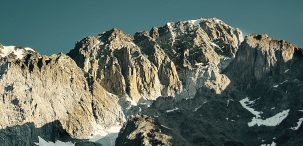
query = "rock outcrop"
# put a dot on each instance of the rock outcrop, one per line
(143, 130)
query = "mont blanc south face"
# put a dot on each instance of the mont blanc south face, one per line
(186, 83)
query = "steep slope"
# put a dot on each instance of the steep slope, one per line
(120, 66)
(200, 49)
(260, 106)
(40, 90)
(174, 60)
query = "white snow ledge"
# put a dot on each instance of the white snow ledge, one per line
(257, 119)
(272, 121)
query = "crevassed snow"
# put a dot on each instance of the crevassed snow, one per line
(272, 144)
(272, 121)
(257, 119)
(171, 110)
(43, 142)
(298, 125)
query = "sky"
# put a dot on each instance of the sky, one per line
(54, 26)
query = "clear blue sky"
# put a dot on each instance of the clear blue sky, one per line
(53, 26)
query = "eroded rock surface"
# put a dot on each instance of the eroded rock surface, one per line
(43, 89)
(261, 105)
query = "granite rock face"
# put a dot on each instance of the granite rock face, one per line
(121, 67)
(261, 105)
(43, 89)
(174, 60)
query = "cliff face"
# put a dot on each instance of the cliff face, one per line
(121, 67)
(261, 105)
(261, 56)
(174, 60)
(51, 89)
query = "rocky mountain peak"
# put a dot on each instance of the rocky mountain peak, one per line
(185, 45)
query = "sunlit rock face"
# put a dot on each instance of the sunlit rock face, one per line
(174, 60)
(121, 67)
(48, 95)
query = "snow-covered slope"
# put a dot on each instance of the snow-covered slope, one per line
(17, 52)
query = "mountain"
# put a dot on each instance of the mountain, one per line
(195, 82)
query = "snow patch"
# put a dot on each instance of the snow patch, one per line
(277, 85)
(298, 125)
(272, 144)
(106, 136)
(228, 101)
(272, 121)
(195, 22)
(43, 142)
(257, 119)
(218, 21)
(18, 52)
(246, 103)
(197, 108)
(171, 110)
(199, 64)
(29, 49)
(286, 71)
(215, 45)
(173, 34)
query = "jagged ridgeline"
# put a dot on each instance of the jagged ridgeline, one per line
(196, 82)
